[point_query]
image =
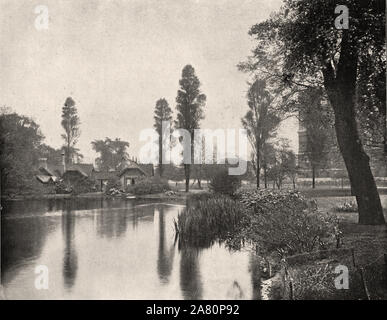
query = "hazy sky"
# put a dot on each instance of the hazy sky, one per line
(116, 58)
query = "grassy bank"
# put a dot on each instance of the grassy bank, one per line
(362, 251)
(323, 192)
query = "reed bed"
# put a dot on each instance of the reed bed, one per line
(208, 219)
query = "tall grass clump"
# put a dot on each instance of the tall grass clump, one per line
(208, 218)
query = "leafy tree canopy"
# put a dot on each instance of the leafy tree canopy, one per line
(113, 153)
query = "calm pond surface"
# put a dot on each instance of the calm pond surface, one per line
(114, 249)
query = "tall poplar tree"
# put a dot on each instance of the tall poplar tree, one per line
(190, 102)
(70, 123)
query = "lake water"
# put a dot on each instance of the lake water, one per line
(114, 249)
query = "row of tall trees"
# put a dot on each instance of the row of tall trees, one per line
(263, 118)
(261, 122)
(299, 48)
(189, 107)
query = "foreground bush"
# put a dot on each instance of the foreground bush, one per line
(285, 222)
(264, 199)
(148, 185)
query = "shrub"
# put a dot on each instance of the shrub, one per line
(224, 183)
(112, 184)
(148, 185)
(284, 222)
(82, 185)
(264, 199)
(62, 188)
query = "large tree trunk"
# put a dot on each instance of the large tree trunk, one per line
(360, 176)
(341, 89)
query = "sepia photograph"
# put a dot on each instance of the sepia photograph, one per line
(201, 150)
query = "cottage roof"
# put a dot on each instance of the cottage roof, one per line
(105, 175)
(131, 166)
(51, 170)
(147, 168)
(85, 169)
(45, 178)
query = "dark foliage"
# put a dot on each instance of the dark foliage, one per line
(224, 183)
(148, 185)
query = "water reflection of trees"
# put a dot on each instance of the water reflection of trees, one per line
(70, 259)
(112, 222)
(190, 279)
(165, 256)
(32, 206)
(21, 240)
(236, 292)
(140, 213)
(255, 271)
